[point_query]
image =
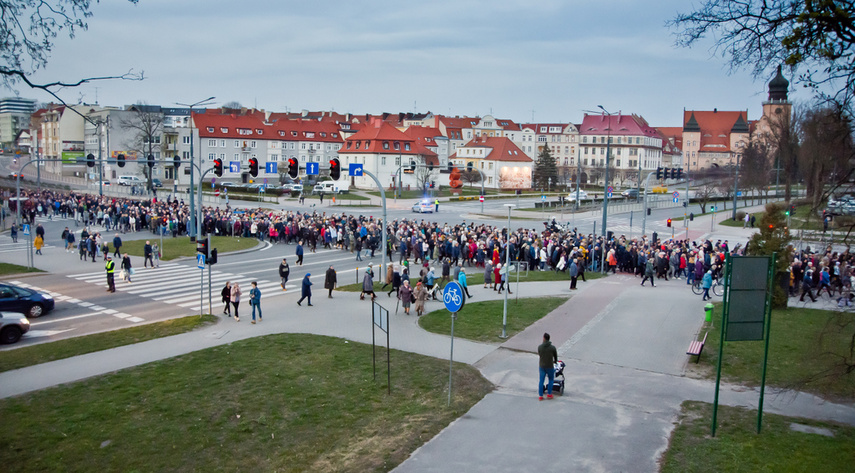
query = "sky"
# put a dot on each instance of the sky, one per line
(545, 61)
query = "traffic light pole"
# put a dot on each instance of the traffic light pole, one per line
(385, 224)
(644, 210)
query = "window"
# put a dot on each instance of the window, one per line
(212, 143)
(224, 129)
(210, 129)
(259, 131)
(212, 156)
(541, 138)
(617, 162)
(543, 129)
(407, 146)
(274, 157)
(397, 145)
(303, 145)
(357, 144)
(237, 157)
(237, 144)
(252, 144)
(367, 144)
(222, 156)
(383, 159)
(397, 161)
(244, 131)
(222, 143)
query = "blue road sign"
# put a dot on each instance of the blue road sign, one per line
(354, 169)
(453, 296)
(676, 194)
(609, 195)
(271, 167)
(26, 229)
(234, 166)
(739, 194)
(200, 261)
(312, 169)
(213, 181)
(543, 198)
(675, 200)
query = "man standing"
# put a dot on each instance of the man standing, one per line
(307, 290)
(117, 245)
(548, 357)
(147, 252)
(110, 267)
(300, 253)
(436, 204)
(284, 272)
(255, 300)
(330, 280)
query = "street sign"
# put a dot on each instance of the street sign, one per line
(609, 194)
(739, 194)
(354, 169)
(453, 297)
(676, 194)
(271, 167)
(234, 166)
(675, 200)
(217, 193)
(200, 261)
(265, 182)
(312, 169)
(543, 198)
(481, 198)
(26, 229)
(611, 189)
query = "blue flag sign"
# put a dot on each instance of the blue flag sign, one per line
(234, 166)
(354, 169)
(453, 296)
(271, 167)
(312, 169)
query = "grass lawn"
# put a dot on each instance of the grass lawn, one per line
(803, 344)
(475, 276)
(798, 221)
(737, 447)
(290, 402)
(182, 246)
(9, 268)
(482, 321)
(44, 352)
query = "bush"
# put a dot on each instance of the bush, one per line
(740, 216)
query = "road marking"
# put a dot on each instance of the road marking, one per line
(63, 319)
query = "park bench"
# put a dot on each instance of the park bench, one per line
(696, 347)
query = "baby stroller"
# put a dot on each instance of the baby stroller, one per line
(558, 383)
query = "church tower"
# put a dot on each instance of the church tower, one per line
(778, 103)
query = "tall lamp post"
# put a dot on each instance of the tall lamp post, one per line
(507, 273)
(191, 229)
(606, 187)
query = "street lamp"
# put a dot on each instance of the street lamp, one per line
(191, 230)
(606, 188)
(507, 273)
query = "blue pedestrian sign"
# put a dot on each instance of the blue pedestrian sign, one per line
(26, 229)
(234, 166)
(312, 169)
(200, 261)
(543, 198)
(453, 297)
(271, 167)
(354, 169)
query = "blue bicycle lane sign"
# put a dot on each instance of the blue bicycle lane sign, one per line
(453, 296)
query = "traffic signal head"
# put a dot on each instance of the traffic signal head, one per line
(90, 160)
(150, 161)
(213, 258)
(669, 222)
(679, 173)
(202, 246)
(293, 168)
(335, 169)
(176, 161)
(218, 167)
(120, 160)
(658, 173)
(692, 217)
(253, 167)
(666, 173)
(787, 212)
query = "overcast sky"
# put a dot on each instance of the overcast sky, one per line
(549, 60)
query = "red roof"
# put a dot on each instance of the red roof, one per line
(674, 134)
(716, 127)
(500, 149)
(379, 137)
(616, 125)
(253, 125)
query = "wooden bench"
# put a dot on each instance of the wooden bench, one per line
(696, 347)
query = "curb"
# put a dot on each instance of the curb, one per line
(260, 246)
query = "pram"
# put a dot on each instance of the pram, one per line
(558, 382)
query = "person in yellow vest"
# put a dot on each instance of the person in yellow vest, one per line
(436, 203)
(38, 243)
(110, 267)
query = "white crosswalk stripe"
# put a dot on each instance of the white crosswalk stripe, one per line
(180, 285)
(21, 245)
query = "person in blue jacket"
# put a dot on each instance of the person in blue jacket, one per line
(307, 290)
(255, 300)
(706, 283)
(300, 254)
(461, 278)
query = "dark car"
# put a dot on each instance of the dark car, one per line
(12, 326)
(156, 183)
(26, 301)
(630, 193)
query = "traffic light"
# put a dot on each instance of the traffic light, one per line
(679, 173)
(213, 258)
(335, 169)
(692, 217)
(669, 223)
(712, 209)
(150, 160)
(253, 167)
(120, 160)
(792, 209)
(293, 168)
(202, 246)
(413, 166)
(648, 211)
(176, 161)
(90, 160)
(787, 212)
(218, 167)
(666, 173)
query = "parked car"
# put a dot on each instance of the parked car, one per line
(330, 187)
(155, 182)
(26, 301)
(292, 187)
(422, 207)
(571, 197)
(12, 326)
(129, 181)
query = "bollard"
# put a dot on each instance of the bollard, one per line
(708, 310)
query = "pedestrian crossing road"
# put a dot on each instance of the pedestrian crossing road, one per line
(177, 284)
(22, 245)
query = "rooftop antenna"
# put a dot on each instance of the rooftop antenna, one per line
(96, 95)
(415, 110)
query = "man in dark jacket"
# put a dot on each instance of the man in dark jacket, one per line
(284, 272)
(117, 245)
(330, 280)
(147, 255)
(548, 357)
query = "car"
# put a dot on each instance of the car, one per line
(156, 183)
(630, 193)
(571, 197)
(129, 181)
(292, 187)
(31, 303)
(12, 326)
(423, 207)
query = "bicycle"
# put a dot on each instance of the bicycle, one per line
(717, 287)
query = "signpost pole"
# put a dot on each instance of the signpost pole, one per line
(507, 275)
(451, 357)
(454, 298)
(768, 317)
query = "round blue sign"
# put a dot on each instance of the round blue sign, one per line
(453, 296)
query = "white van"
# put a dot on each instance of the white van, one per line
(129, 181)
(330, 187)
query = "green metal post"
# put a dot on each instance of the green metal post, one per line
(766, 336)
(721, 343)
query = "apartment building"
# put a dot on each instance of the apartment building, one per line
(503, 163)
(634, 147)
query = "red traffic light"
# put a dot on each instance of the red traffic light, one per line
(293, 168)
(253, 167)
(218, 167)
(335, 169)
(669, 222)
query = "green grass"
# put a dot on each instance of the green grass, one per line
(9, 268)
(803, 344)
(182, 246)
(738, 448)
(482, 321)
(798, 221)
(290, 402)
(42, 353)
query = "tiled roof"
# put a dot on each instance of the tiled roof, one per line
(716, 127)
(379, 137)
(673, 133)
(212, 124)
(500, 149)
(616, 125)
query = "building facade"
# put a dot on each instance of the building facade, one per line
(503, 164)
(634, 147)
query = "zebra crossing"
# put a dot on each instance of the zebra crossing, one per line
(177, 284)
(21, 245)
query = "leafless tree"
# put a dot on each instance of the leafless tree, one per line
(470, 176)
(424, 176)
(146, 126)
